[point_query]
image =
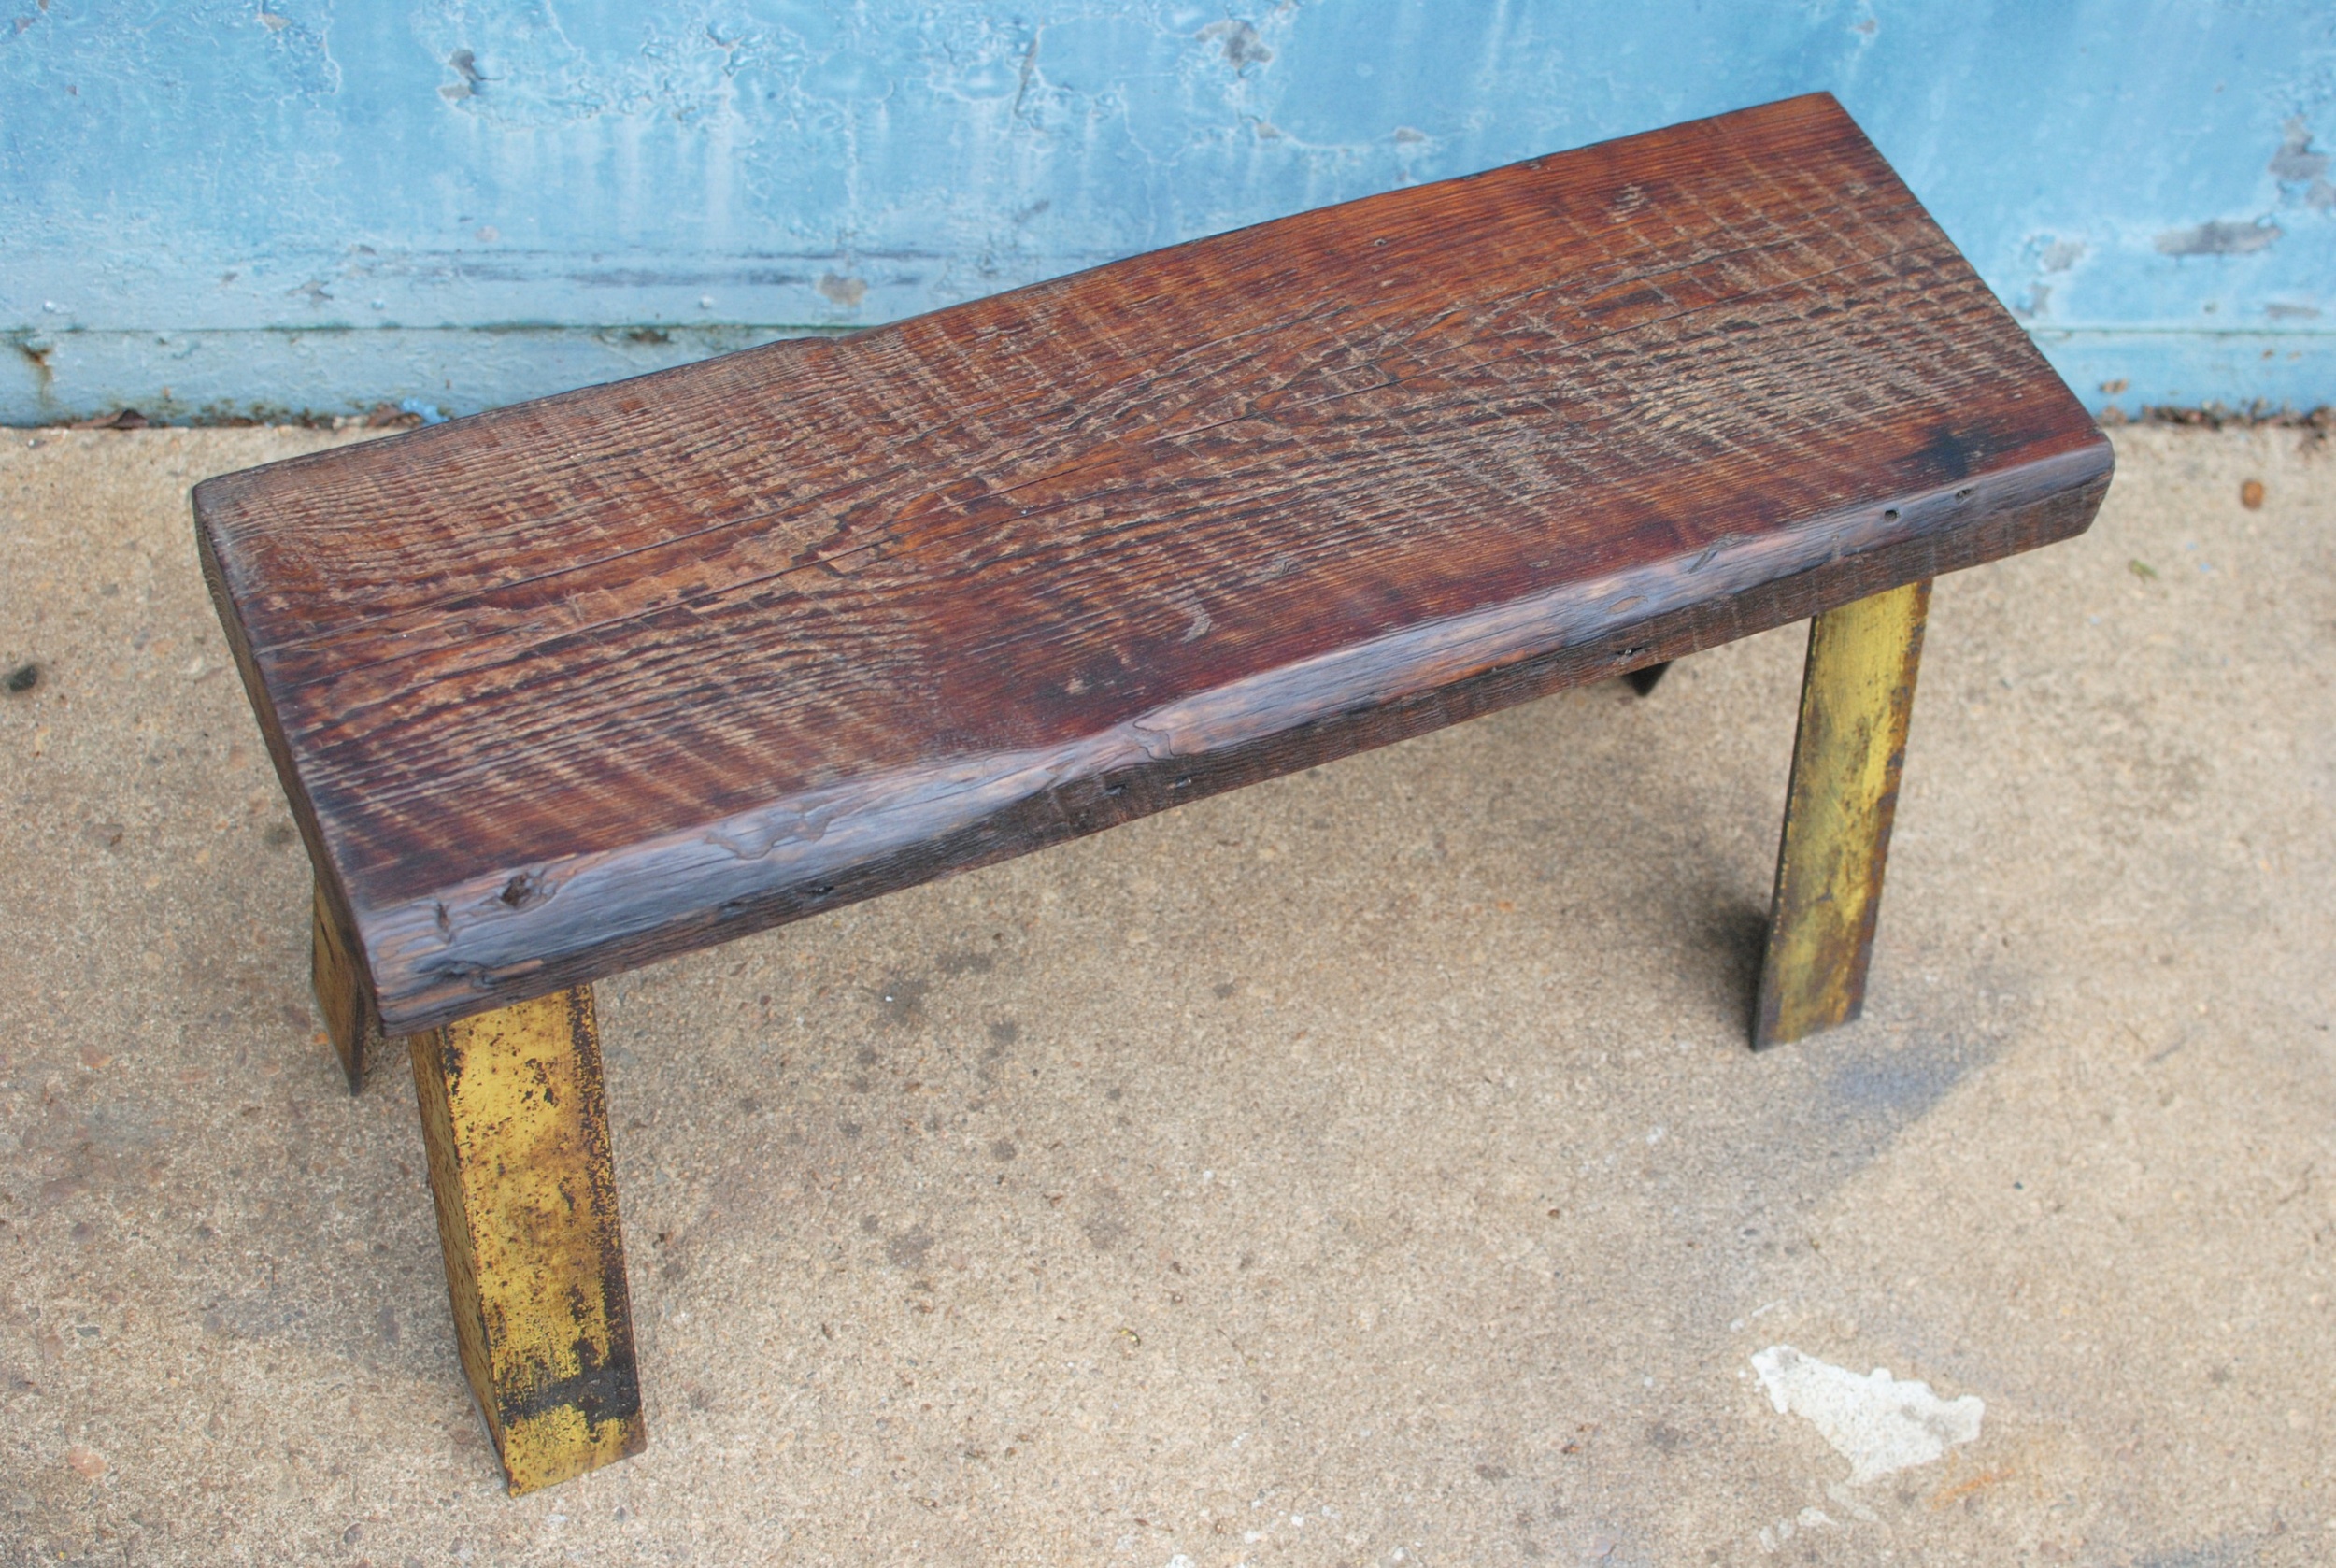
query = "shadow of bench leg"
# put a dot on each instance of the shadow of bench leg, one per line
(1855, 699)
(518, 1133)
(349, 1016)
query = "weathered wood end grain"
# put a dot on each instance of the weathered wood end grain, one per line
(590, 680)
(1857, 696)
(516, 1125)
(342, 995)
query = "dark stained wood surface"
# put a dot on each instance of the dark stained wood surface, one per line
(585, 681)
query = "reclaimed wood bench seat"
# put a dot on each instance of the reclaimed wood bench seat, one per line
(581, 683)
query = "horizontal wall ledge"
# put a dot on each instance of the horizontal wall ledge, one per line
(293, 375)
(277, 376)
(2134, 369)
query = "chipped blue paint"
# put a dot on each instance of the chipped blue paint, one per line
(324, 204)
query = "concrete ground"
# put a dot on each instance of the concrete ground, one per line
(1365, 1168)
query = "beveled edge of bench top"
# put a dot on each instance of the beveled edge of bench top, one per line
(485, 936)
(811, 841)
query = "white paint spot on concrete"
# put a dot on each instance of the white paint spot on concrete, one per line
(1877, 1423)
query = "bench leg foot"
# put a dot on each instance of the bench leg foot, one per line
(349, 1016)
(1855, 699)
(517, 1125)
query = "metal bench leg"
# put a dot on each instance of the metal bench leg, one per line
(1855, 699)
(517, 1126)
(349, 1016)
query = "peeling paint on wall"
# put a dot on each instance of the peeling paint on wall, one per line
(335, 203)
(2219, 239)
(2298, 163)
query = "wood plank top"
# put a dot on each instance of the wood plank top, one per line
(583, 681)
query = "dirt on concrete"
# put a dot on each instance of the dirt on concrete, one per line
(1365, 1168)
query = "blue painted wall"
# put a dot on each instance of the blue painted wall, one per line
(322, 205)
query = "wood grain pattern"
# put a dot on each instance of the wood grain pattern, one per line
(1857, 697)
(590, 680)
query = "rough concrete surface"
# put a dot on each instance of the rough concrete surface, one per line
(1364, 1168)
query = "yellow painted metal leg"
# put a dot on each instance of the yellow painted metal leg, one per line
(517, 1126)
(1855, 700)
(349, 1016)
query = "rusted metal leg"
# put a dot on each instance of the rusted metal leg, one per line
(1644, 681)
(340, 987)
(518, 1133)
(1855, 700)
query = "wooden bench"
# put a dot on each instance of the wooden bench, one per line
(589, 681)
